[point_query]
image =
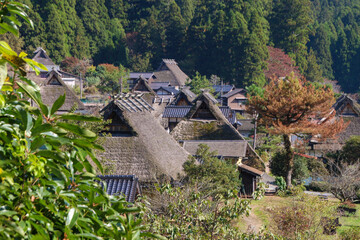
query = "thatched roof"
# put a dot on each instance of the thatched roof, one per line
(331, 145)
(225, 148)
(169, 71)
(54, 87)
(142, 85)
(127, 185)
(345, 101)
(42, 57)
(205, 121)
(151, 153)
(185, 96)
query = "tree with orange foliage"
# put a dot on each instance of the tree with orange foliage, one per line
(294, 106)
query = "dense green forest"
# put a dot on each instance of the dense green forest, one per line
(227, 38)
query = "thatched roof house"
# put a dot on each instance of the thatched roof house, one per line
(42, 57)
(169, 72)
(142, 86)
(346, 106)
(205, 121)
(53, 88)
(139, 144)
(184, 98)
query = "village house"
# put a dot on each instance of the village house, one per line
(349, 109)
(236, 100)
(42, 57)
(139, 144)
(205, 121)
(53, 87)
(220, 90)
(169, 73)
(134, 76)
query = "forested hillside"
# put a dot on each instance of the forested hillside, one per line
(227, 38)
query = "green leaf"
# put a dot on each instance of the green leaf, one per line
(77, 117)
(5, 48)
(3, 72)
(77, 130)
(57, 104)
(7, 213)
(72, 217)
(8, 27)
(88, 236)
(34, 94)
(2, 101)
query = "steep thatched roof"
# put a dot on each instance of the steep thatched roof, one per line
(205, 121)
(151, 153)
(331, 145)
(184, 97)
(169, 71)
(54, 87)
(226, 148)
(42, 57)
(345, 101)
(142, 85)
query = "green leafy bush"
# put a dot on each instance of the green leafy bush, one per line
(48, 186)
(219, 175)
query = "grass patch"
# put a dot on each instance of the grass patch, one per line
(351, 220)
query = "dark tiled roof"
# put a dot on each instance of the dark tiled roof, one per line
(233, 92)
(229, 114)
(157, 85)
(136, 75)
(176, 111)
(171, 90)
(225, 88)
(250, 170)
(226, 148)
(127, 185)
(173, 111)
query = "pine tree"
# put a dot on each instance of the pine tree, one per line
(293, 106)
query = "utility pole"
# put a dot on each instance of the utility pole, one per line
(255, 126)
(81, 87)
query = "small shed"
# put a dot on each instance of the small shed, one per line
(250, 177)
(128, 185)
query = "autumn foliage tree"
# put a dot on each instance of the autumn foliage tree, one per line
(294, 106)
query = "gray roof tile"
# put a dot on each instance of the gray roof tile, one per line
(128, 185)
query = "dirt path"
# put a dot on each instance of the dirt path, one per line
(252, 223)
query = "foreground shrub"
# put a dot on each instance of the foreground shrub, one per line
(47, 183)
(350, 234)
(305, 218)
